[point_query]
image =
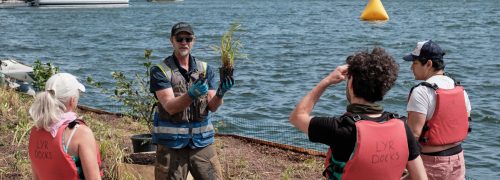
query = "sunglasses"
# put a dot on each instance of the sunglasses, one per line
(187, 39)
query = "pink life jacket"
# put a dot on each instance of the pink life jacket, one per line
(381, 152)
(48, 158)
(450, 122)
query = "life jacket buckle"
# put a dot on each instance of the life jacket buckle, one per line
(423, 139)
(356, 117)
(395, 116)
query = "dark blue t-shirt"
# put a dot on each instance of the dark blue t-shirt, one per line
(159, 81)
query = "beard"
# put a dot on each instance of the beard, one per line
(184, 52)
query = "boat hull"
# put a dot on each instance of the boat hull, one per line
(80, 2)
(16, 70)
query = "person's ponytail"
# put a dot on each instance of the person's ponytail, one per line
(46, 110)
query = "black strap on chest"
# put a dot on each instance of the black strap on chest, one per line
(72, 124)
(434, 86)
(426, 84)
(353, 118)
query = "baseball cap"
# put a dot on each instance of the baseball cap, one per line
(425, 50)
(64, 84)
(181, 27)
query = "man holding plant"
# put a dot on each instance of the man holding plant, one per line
(182, 127)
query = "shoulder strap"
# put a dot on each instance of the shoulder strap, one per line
(422, 137)
(470, 128)
(429, 85)
(167, 71)
(71, 137)
(395, 116)
(457, 83)
(170, 62)
(353, 118)
(350, 117)
(426, 84)
(392, 115)
(75, 122)
(201, 65)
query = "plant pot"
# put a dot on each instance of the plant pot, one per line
(143, 143)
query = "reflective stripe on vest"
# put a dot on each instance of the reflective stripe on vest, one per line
(176, 135)
(168, 72)
(449, 123)
(173, 130)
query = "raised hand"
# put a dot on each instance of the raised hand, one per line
(336, 76)
(225, 86)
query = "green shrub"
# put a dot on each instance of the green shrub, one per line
(132, 92)
(42, 72)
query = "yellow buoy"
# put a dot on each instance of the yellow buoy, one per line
(374, 11)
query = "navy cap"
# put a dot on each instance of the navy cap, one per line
(425, 50)
(181, 27)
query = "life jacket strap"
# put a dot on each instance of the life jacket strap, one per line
(351, 118)
(394, 116)
(470, 128)
(457, 83)
(334, 167)
(422, 137)
(426, 84)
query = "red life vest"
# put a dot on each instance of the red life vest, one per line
(380, 152)
(450, 122)
(48, 158)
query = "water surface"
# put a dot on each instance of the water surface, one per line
(292, 45)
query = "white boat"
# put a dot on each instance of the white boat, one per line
(79, 2)
(17, 75)
(13, 69)
(164, 0)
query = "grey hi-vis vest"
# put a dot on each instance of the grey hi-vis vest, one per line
(198, 110)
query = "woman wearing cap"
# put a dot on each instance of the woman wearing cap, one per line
(61, 146)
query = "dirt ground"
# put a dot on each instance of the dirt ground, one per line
(241, 158)
(244, 159)
(247, 158)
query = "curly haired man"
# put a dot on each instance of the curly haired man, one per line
(365, 142)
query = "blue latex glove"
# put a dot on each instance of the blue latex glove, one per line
(198, 89)
(225, 86)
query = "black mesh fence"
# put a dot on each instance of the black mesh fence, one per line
(277, 132)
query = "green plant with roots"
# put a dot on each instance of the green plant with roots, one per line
(42, 72)
(133, 92)
(229, 49)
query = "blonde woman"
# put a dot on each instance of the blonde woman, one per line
(61, 146)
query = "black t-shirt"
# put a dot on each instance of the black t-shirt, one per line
(340, 135)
